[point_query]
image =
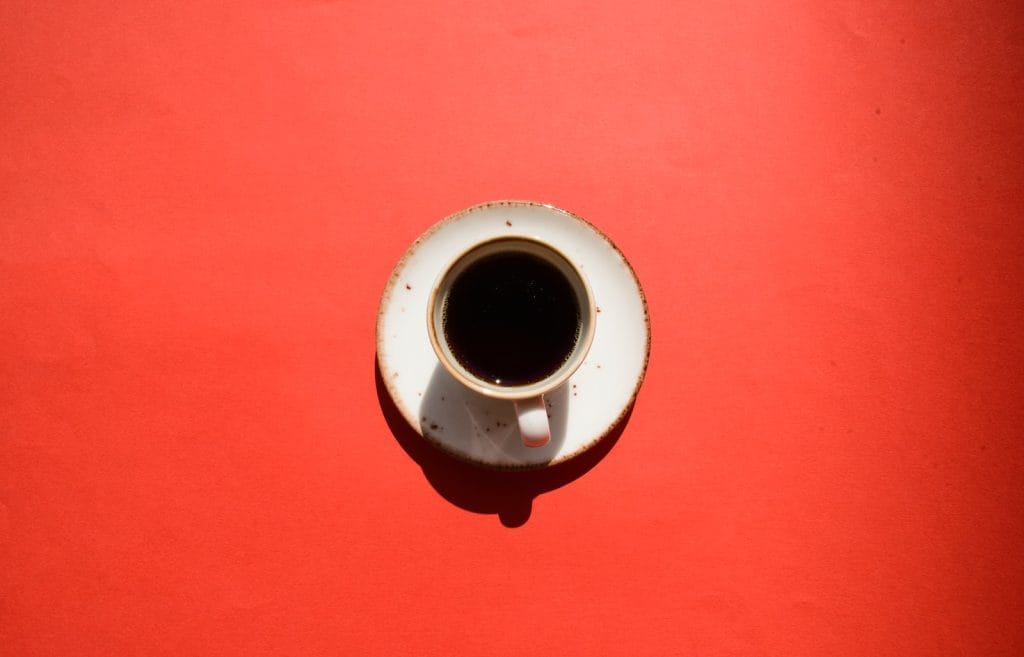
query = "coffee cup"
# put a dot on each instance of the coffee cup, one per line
(512, 318)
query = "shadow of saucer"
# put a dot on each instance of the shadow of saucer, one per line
(507, 493)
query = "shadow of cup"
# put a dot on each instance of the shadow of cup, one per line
(507, 493)
(484, 430)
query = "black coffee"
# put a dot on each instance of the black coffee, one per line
(511, 318)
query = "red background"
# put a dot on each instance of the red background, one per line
(199, 208)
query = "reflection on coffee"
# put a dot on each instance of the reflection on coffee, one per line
(511, 318)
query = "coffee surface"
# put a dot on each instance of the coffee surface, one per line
(511, 318)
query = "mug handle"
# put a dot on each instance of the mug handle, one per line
(533, 421)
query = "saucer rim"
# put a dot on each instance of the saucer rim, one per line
(393, 279)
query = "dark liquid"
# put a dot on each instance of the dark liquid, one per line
(511, 318)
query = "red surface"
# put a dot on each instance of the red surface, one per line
(199, 208)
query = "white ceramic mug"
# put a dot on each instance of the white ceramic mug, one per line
(528, 398)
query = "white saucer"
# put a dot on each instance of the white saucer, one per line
(482, 430)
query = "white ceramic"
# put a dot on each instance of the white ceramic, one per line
(531, 411)
(481, 429)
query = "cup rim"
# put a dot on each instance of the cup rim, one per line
(536, 388)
